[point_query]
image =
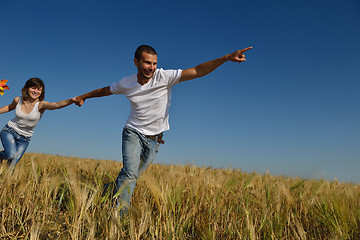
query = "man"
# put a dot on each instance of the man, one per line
(149, 92)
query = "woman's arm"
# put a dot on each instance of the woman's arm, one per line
(100, 92)
(10, 107)
(55, 105)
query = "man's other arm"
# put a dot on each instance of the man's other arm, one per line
(207, 67)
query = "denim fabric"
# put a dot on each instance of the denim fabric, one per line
(14, 145)
(138, 153)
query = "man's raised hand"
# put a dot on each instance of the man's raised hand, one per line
(239, 55)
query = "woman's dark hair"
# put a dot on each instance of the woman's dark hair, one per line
(33, 82)
(144, 48)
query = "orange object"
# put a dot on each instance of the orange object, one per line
(3, 86)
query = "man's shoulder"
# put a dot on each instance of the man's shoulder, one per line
(126, 79)
(166, 73)
(119, 87)
(132, 77)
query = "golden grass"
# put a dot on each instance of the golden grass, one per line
(55, 197)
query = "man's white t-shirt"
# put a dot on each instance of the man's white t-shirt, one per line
(149, 102)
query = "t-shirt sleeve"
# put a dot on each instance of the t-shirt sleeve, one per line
(116, 87)
(173, 76)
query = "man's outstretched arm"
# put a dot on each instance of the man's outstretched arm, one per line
(100, 92)
(207, 67)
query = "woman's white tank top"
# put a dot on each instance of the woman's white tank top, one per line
(23, 123)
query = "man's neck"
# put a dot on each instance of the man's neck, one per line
(143, 81)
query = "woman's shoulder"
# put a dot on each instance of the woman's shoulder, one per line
(17, 99)
(42, 103)
(42, 106)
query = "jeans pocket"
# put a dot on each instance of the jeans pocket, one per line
(157, 147)
(6, 128)
(25, 139)
(153, 146)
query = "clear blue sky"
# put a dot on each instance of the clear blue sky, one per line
(292, 109)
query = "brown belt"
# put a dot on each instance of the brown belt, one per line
(157, 138)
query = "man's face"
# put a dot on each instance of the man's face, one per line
(146, 65)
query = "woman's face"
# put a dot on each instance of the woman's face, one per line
(34, 92)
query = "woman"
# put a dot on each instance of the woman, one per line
(29, 108)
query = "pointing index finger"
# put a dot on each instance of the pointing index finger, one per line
(245, 49)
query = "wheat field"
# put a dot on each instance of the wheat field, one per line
(56, 197)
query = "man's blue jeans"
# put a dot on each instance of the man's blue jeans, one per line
(138, 153)
(14, 145)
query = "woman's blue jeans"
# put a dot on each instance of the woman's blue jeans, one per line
(138, 153)
(14, 145)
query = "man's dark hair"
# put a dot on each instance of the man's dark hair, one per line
(144, 48)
